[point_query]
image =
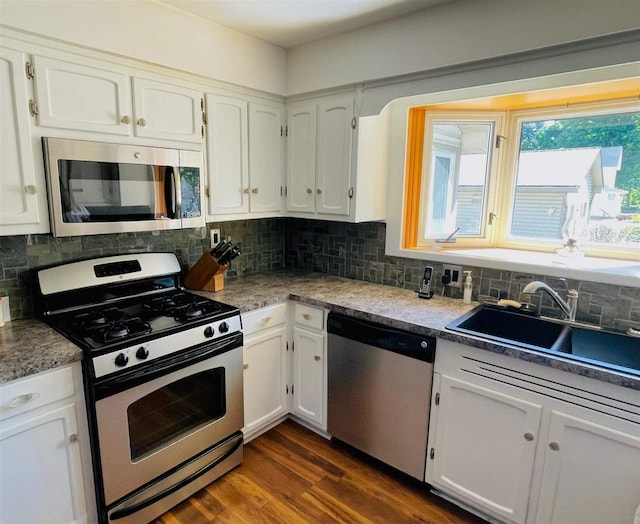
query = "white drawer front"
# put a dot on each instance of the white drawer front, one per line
(29, 393)
(264, 318)
(309, 316)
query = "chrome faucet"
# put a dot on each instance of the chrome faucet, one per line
(569, 307)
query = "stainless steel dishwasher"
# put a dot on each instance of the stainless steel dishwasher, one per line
(379, 390)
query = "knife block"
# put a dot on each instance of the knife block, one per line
(206, 274)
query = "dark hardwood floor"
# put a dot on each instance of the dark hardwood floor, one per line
(291, 475)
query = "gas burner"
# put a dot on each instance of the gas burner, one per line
(116, 332)
(168, 304)
(100, 318)
(196, 310)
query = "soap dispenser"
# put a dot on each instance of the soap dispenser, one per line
(468, 286)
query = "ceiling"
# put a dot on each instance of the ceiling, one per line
(288, 23)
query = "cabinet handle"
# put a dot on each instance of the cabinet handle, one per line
(246, 190)
(319, 191)
(125, 119)
(246, 366)
(30, 189)
(265, 320)
(21, 400)
(528, 437)
(316, 358)
(554, 446)
(254, 190)
(142, 122)
(74, 437)
(306, 316)
(309, 190)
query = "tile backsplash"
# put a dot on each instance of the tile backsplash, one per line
(347, 250)
(261, 244)
(357, 251)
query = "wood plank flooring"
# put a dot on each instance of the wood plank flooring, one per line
(291, 475)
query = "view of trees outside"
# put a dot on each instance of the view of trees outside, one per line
(621, 129)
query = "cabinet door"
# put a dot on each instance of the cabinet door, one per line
(301, 158)
(40, 473)
(265, 157)
(265, 371)
(482, 447)
(22, 195)
(167, 111)
(227, 155)
(591, 470)
(335, 136)
(74, 96)
(309, 375)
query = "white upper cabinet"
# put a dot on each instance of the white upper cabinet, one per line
(167, 111)
(319, 156)
(265, 157)
(301, 158)
(245, 154)
(227, 155)
(333, 169)
(83, 98)
(96, 99)
(23, 206)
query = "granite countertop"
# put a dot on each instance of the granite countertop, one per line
(29, 346)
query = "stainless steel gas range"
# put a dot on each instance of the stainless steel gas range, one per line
(163, 378)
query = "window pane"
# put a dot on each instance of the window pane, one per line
(579, 178)
(458, 178)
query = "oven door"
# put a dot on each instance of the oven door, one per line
(153, 420)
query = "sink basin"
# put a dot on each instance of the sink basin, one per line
(615, 349)
(594, 346)
(506, 326)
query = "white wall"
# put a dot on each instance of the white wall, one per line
(452, 33)
(156, 33)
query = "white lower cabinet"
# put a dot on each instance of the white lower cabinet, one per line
(285, 369)
(308, 391)
(521, 443)
(485, 446)
(41, 470)
(591, 469)
(265, 369)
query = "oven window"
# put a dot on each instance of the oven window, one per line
(171, 412)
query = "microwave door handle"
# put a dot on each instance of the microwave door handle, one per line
(177, 193)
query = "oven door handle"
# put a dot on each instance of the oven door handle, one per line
(147, 373)
(125, 512)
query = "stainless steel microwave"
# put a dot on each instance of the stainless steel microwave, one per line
(97, 187)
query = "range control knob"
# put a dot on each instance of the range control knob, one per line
(121, 360)
(223, 327)
(208, 332)
(142, 353)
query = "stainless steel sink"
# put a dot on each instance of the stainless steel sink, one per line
(594, 346)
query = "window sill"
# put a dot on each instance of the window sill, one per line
(602, 270)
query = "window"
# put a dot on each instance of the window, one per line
(528, 178)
